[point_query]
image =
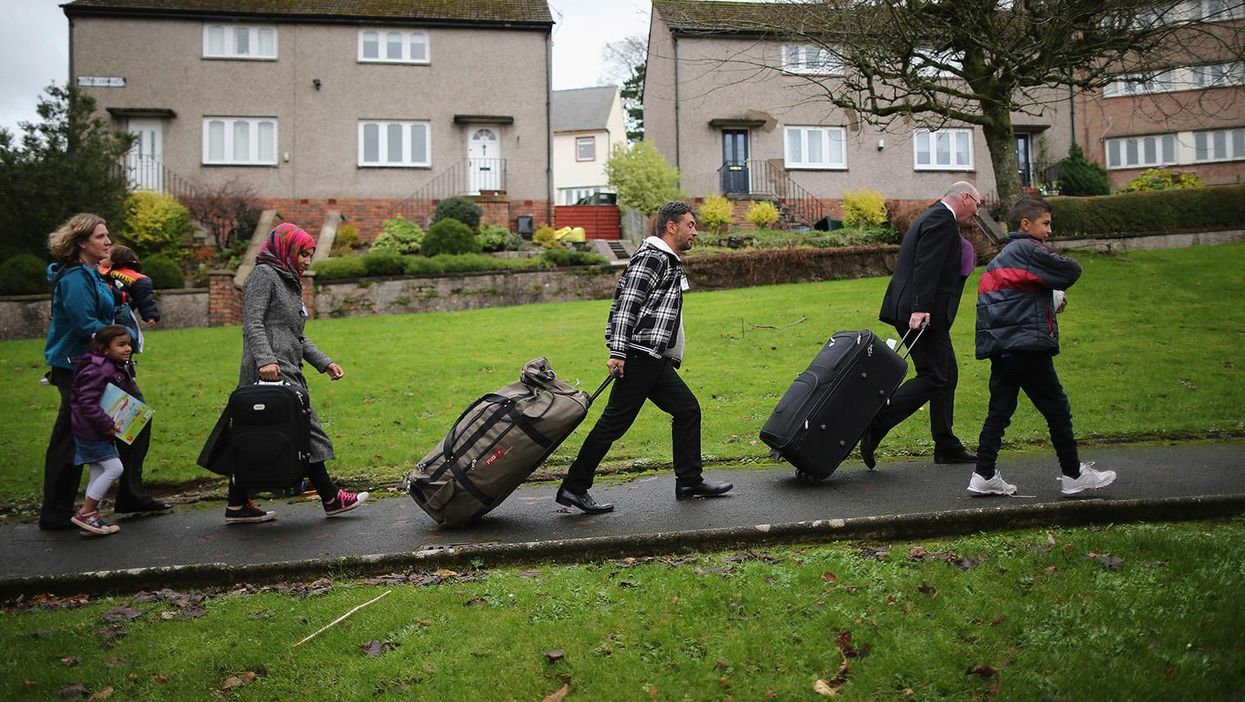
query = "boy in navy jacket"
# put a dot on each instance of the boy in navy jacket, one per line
(1019, 295)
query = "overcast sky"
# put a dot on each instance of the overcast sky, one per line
(34, 47)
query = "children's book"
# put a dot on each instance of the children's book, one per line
(127, 411)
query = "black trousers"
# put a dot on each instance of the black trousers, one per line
(61, 478)
(937, 374)
(316, 473)
(644, 378)
(1035, 374)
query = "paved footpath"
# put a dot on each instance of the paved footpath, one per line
(909, 499)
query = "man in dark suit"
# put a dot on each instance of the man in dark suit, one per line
(925, 289)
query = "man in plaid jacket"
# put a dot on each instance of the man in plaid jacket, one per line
(646, 341)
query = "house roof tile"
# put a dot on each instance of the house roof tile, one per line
(450, 11)
(702, 17)
(582, 109)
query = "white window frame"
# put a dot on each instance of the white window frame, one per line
(591, 141)
(382, 144)
(931, 136)
(1233, 141)
(381, 44)
(829, 136)
(230, 49)
(254, 157)
(1177, 78)
(1116, 151)
(810, 60)
(1216, 10)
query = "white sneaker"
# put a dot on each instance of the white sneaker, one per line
(1089, 479)
(994, 486)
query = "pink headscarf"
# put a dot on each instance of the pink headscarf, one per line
(282, 247)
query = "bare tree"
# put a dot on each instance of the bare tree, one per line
(625, 65)
(979, 62)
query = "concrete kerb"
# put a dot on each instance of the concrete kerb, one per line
(1069, 513)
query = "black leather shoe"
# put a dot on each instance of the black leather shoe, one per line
(582, 502)
(868, 444)
(146, 504)
(704, 489)
(56, 526)
(961, 456)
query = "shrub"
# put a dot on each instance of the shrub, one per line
(546, 237)
(382, 263)
(1081, 177)
(566, 257)
(154, 224)
(494, 238)
(347, 239)
(229, 213)
(164, 273)
(1163, 179)
(450, 236)
(23, 274)
(864, 208)
(458, 208)
(1156, 212)
(716, 214)
(762, 214)
(642, 177)
(339, 268)
(399, 236)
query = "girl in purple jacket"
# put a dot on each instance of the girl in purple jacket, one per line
(105, 362)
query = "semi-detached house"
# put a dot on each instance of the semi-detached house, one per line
(367, 107)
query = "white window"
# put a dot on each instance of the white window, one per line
(944, 149)
(1218, 10)
(585, 148)
(815, 147)
(1219, 145)
(1219, 75)
(394, 144)
(1141, 151)
(235, 41)
(810, 59)
(393, 46)
(240, 141)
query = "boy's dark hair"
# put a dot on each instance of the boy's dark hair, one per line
(1028, 208)
(124, 255)
(103, 337)
(671, 212)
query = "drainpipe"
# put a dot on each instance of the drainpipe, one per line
(677, 159)
(1072, 112)
(69, 80)
(549, 127)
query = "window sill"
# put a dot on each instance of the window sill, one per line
(419, 166)
(943, 169)
(269, 59)
(814, 168)
(218, 164)
(393, 62)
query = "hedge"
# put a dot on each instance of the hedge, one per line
(382, 264)
(1156, 212)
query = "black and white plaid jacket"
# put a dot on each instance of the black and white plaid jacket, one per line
(647, 304)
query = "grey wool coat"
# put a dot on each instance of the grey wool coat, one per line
(273, 317)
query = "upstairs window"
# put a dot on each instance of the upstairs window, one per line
(586, 148)
(810, 59)
(1219, 145)
(943, 150)
(1141, 151)
(234, 41)
(1219, 75)
(393, 46)
(1217, 10)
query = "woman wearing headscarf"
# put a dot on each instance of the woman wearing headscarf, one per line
(274, 348)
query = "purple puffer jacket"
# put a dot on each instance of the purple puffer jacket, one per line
(92, 373)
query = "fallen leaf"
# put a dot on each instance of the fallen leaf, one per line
(653, 692)
(444, 573)
(849, 649)
(71, 661)
(771, 693)
(829, 577)
(1108, 561)
(475, 602)
(374, 648)
(235, 681)
(965, 563)
(102, 694)
(160, 678)
(927, 589)
(823, 688)
(529, 573)
(559, 694)
(122, 614)
(876, 553)
(917, 553)
(998, 620)
(890, 599)
(909, 692)
(114, 662)
(555, 655)
(984, 671)
(73, 691)
(1052, 569)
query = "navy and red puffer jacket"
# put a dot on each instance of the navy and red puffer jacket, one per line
(1015, 306)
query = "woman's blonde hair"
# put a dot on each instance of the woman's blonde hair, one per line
(66, 242)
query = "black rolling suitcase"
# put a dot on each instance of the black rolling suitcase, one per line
(269, 435)
(821, 417)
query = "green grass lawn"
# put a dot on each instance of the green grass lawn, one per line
(1152, 348)
(1137, 612)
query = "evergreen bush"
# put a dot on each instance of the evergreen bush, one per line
(164, 273)
(494, 238)
(382, 263)
(458, 208)
(340, 268)
(23, 274)
(1080, 177)
(716, 214)
(567, 257)
(399, 236)
(642, 177)
(1155, 212)
(154, 224)
(450, 236)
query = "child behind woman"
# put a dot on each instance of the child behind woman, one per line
(105, 361)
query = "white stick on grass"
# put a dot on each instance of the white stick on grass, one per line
(341, 618)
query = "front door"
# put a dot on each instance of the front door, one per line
(735, 161)
(1024, 163)
(144, 162)
(484, 163)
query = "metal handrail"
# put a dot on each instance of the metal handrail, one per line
(468, 176)
(763, 178)
(150, 173)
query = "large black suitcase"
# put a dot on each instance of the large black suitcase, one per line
(269, 435)
(497, 442)
(819, 420)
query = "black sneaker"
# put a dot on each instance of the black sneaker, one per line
(248, 513)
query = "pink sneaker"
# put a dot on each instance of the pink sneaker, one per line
(344, 502)
(94, 524)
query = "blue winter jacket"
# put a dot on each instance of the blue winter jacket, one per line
(1015, 307)
(81, 303)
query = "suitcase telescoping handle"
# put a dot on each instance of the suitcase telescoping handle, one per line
(919, 331)
(593, 397)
